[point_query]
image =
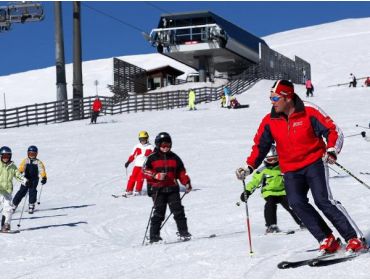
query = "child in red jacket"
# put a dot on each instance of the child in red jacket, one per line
(162, 170)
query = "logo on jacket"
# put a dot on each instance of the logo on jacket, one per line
(295, 124)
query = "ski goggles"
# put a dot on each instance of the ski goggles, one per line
(6, 156)
(32, 154)
(165, 145)
(275, 98)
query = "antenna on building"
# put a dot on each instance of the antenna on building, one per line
(96, 83)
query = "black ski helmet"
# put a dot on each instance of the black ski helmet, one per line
(33, 149)
(162, 137)
(4, 150)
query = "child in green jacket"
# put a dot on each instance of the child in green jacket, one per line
(270, 179)
(8, 171)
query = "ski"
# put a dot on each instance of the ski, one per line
(335, 260)
(365, 173)
(10, 231)
(119, 195)
(189, 239)
(294, 264)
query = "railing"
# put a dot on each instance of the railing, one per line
(77, 109)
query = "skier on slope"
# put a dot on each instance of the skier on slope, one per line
(270, 179)
(162, 169)
(8, 172)
(139, 154)
(32, 168)
(298, 129)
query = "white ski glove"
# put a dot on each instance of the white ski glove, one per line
(241, 172)
(330, 156)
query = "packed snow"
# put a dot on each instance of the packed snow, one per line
(80, 231)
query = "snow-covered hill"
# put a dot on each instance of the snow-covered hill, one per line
(81, 231)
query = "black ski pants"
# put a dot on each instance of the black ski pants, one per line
(314, 177)
(31, 189)
(271, 208)
(94, 116)
(161, 199)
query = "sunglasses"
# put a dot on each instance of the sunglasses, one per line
(165, 145)
(275, 98)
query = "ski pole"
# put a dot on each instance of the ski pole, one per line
(150, 218)
(247, 219)
(363, 126)
(170, 214)
(24, 203)
(334, 170)
(38, 200)
(353, 135)
(349, 173)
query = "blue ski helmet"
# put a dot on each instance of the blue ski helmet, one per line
(162, 137)
(33, 149)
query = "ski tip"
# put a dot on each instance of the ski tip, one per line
(212, 236)
(283, 265)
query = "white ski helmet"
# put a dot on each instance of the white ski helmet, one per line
(272, 156)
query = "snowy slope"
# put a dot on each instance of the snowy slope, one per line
(81, 231)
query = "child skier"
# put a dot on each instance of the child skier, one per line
(8, 171)
(32, 168)
(162, 169)
(270, 179)
(139, 154)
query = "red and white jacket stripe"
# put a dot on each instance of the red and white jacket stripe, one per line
(140, 152)
(299, 137)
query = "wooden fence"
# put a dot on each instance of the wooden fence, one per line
(77, 109)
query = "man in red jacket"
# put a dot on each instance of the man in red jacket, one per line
(298, 128)
(96, 108)
(162, 169)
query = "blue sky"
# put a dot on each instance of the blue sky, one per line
(105, 34)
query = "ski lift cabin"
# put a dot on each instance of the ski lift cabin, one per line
(206, 42)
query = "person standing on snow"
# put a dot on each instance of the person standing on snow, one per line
(8, 172)
(227, 94)
(309, 88)
(32, 168)
(191, 100)
(162, 169)
(139, 154)
(298, 129)
(96, 108)
(270, 179)
(352, 80)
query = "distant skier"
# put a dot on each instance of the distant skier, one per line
(191, 100)
(139, 154)
(271, 182)
(367, 82)
(234, 103)
(298, 130)
(8, 172)
(352, 80)
(227, 94)
(162, 169)
(309, 88)
(32, 168)
(96, 108)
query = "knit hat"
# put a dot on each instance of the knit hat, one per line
(283, 88)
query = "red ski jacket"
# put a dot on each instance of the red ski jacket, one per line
(299, 137)
(168, 163)
(97, 105)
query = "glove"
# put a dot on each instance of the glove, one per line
(25, 182)
(241, 172)
(363, 134)
(127, 164)
(330, 156)
(245, 195)
(160, 176)
(43, 180)
(149, 190)
(188, 187)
